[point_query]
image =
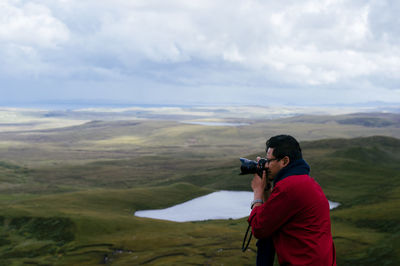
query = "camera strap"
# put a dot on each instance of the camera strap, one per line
(244, 245)
(265, 249)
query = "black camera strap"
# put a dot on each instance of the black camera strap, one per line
(244, 245)
(265, 248)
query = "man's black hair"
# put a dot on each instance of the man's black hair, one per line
(285, 145)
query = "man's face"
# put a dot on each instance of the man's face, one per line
(274, 166)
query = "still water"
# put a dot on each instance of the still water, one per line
(217, 205)
(221, 124)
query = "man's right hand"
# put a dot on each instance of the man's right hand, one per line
(258, 184)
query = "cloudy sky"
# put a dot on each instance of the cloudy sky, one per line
(200, 51)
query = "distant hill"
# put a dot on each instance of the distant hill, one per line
(84, 183)
(359, 119)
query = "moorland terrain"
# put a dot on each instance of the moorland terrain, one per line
(70, 182)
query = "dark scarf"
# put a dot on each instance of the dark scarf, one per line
(265, 247)
(298, 167)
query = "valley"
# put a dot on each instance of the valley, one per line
(69, 191)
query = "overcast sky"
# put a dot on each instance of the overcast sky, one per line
(200, 51)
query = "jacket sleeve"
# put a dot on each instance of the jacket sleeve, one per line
(271, 215)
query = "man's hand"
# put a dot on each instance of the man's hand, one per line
(258, 185)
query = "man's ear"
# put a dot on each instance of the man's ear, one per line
(285, 161)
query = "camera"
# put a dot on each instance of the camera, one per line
(252, 167)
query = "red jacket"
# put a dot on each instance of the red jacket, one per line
(296, 216)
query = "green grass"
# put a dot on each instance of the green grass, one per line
(68, 195)
(363, 174)
(103, 221)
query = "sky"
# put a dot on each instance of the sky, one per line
(311, 52)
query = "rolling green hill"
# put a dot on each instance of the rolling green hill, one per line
(369, 120)
(364, 175)
(65, 214)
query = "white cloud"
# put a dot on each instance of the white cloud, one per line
(255, 44)
(27, 31)
(30, 24)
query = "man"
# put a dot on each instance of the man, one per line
(295, 212)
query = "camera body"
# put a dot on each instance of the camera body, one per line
(252, 167)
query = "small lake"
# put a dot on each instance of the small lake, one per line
(217, 205)
(221, 124)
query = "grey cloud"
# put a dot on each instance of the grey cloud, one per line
(314, 48)
(384, 21)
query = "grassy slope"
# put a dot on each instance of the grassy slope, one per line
(68, 213)
(364, 175)
(102, 222)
